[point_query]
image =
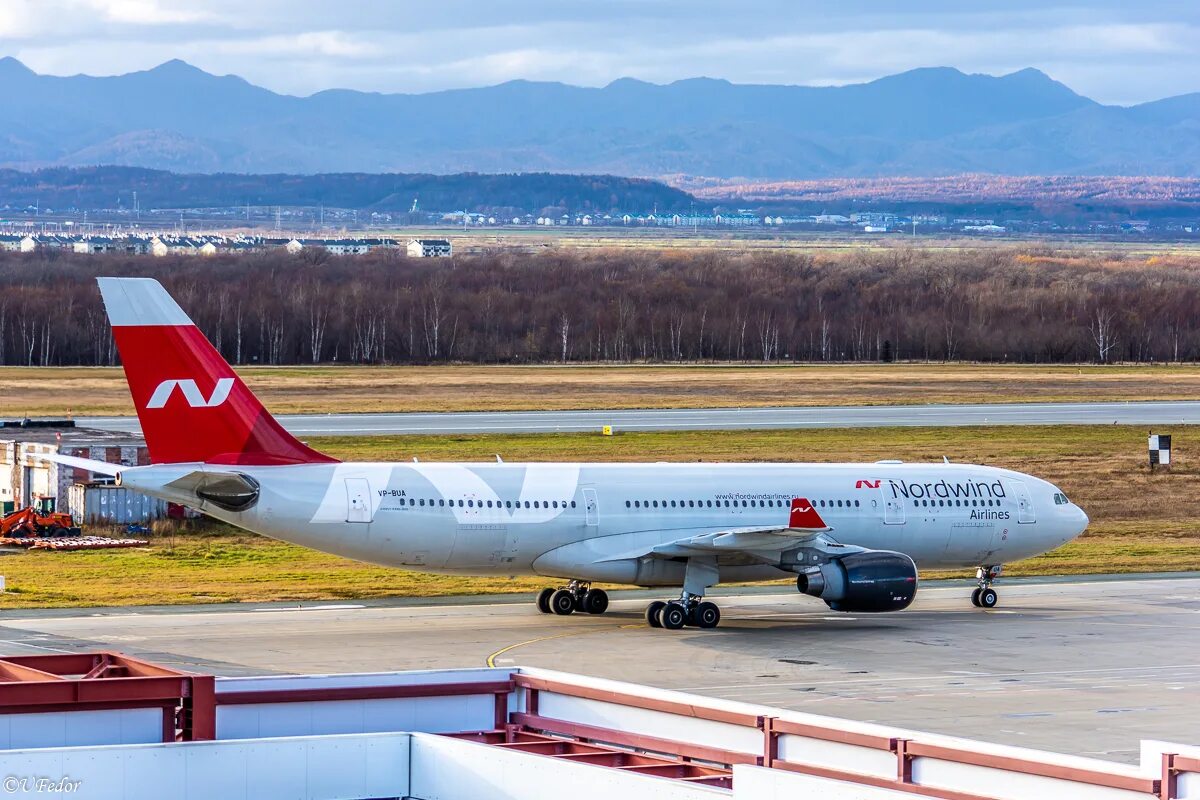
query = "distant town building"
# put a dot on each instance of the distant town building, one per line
(294, 246)
(429, 248)
(348, 247)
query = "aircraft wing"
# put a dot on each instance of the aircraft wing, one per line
(804, 525)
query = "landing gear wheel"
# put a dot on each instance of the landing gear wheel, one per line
(707, 615)
(595, 601)
(988, 598)
(672, 616)
(562, 602)
(975, 597)
(543, 601)
(652, 613)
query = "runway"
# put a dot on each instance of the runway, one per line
(705, 419)
(1083, 666)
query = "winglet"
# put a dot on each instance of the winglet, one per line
(804, 517)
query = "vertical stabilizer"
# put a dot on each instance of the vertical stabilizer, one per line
(191, 404)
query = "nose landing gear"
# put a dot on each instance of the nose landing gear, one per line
(575, 596)
(985, 596)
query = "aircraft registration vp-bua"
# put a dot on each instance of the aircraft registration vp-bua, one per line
(852, 534)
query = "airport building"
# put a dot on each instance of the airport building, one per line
(27, 480)
(107, 725)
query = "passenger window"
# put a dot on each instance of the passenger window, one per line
(572, 504)
(856, 504)
(916, 503)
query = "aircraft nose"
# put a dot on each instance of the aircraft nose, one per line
(1080, 523)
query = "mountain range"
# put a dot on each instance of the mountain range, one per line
(933, 121)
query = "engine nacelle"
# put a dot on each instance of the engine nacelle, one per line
(870, 581)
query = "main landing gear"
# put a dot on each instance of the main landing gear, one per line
(575, 596)
(985, 596)
(689, 609)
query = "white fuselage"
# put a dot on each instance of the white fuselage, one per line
(579, 520)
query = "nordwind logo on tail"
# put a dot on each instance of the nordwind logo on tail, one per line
(191, 393)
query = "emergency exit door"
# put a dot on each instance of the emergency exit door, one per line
(591, 510)
(358, 500)
(1025, 513)
(893, 509)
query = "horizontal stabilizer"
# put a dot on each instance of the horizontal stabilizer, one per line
(102, 467)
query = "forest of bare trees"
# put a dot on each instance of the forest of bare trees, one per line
(272, 308)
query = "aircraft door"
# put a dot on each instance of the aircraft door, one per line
(358, 500)
(893, 509)
(591, 509)
(1025, 513)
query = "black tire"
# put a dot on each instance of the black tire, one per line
(988, 598)
(672, 616)
(562, 602)
(595, 601)
(707, 615)
(975, 597)
(652, 613)
(543, 601)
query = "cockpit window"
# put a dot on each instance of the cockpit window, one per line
(1060, 499)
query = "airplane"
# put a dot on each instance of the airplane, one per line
(852, 535)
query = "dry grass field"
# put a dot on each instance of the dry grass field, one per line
(1140, 522)
(35, 391)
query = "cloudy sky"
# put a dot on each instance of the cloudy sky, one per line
(1112, 50)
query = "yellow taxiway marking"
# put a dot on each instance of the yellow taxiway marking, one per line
(491, 660)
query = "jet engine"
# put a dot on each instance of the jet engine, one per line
(866, 581)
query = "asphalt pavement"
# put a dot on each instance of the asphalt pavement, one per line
(1079, 665)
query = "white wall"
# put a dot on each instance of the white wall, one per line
(373, 765)
(426, 714)
(760, 783)
(449, 769)
(79, 728)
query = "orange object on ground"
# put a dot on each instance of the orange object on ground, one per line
(29, 522)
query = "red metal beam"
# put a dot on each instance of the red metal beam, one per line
(638, 701)
(654, 744)
(362, 693)
(10, 671)
(872, 780)
(826, 734)
(1026, 766)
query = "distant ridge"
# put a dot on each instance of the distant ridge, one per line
(932, 121)
(108, 187)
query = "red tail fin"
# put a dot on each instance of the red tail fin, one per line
(804, 517)
(192, 405)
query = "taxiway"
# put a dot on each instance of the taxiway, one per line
(1088, 666)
